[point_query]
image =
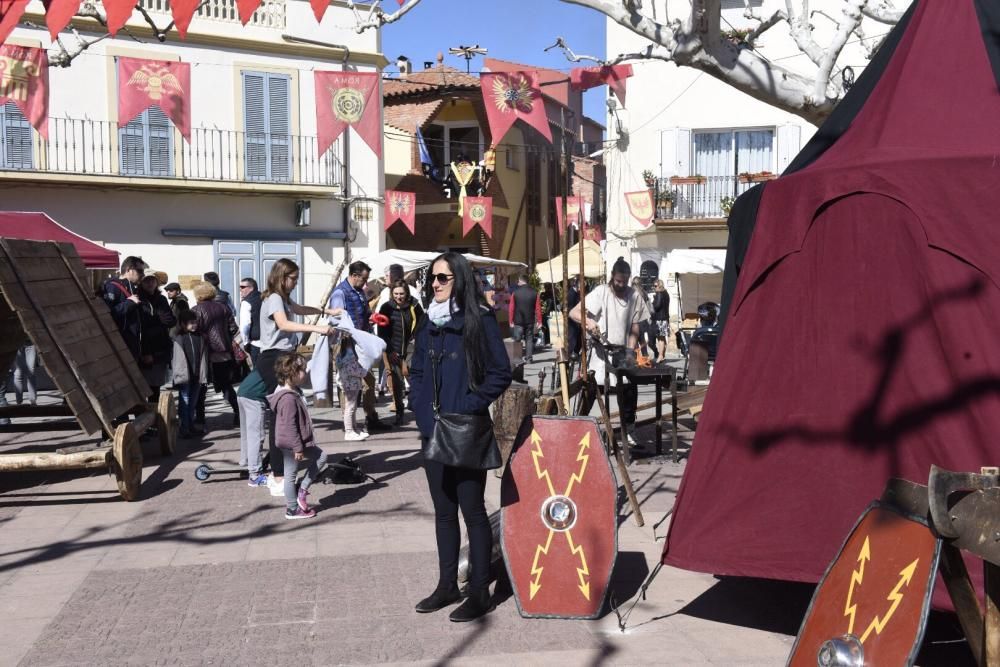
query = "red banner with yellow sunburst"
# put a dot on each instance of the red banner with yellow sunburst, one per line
(348, 99)
(478, 211)
(400, 206)
(509, 96)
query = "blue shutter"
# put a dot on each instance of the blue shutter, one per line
(145, 145)
(267, 122)
(15, 132)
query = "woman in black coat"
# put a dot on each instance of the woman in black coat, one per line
(473, 369)
(155, 346)
(403, 313)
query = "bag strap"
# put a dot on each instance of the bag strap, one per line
(436, 404)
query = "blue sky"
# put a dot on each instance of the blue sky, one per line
(511, 29)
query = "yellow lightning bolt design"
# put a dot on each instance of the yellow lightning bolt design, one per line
(537, 571)
(895, 597)
(536, 453)
(856, 578)
(582, 457)
(581, 571)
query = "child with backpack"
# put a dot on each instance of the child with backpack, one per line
(189, 370)
(293, 434)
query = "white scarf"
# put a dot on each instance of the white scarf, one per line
(439, 312)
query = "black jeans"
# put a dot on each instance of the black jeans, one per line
(451, 489)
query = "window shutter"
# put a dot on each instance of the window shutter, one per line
(682, 146)
(279, 127)
(789, 144)
(159, 142)
(255, 125)
(16, 132)
(133, 147)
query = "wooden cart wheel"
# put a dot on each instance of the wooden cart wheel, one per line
(166, 423)
(126, 463)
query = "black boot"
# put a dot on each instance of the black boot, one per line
(479, 603)
(442, 596)
(375, 425)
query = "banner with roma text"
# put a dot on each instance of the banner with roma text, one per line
(160, 83)
(574, 207)
(24, 80)
(401, 206)
(348, 99)
(510, 96)
(478, 211)
(585, 78)
(640, 205)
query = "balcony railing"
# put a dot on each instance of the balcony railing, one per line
(270, 14)
(696, 198)
(152, 151)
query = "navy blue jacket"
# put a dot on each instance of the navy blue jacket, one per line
(456, 394)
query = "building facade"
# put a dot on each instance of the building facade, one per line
(527, 171)
(248, 187)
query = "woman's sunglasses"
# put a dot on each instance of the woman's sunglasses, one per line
(442, 278)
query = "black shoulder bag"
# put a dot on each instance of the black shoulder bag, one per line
(460, 441)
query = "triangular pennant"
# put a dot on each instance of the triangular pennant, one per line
(182, 11)
(509, 96)
(640, 205)
(400, 206)
(573, 213)
(58, 14)
(118, 13)
(146, 83)
(24, 80)
(246, 9)
(10, 13)
(348, 99)
(319, 8)
(478, 211)
(584, 78)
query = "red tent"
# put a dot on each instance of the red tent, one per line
(861, 336)
(40, 227)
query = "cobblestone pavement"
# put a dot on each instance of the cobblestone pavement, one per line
(211, 573)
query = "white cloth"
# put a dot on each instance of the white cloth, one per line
(439, 312)
(368, 347)
(384, 297)
(246, 317)
(615, 315)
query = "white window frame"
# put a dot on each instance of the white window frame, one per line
(463, 124)
(716, 130)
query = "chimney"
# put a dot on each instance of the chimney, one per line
(428, 64)
(404, 65)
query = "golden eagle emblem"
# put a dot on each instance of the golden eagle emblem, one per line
(513, 93)
(156, 82)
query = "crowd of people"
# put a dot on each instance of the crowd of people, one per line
(440, 348)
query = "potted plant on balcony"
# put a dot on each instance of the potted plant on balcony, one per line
(664, 203)
(726, 204)
(697, 179)
(649, 177)
(756, 176)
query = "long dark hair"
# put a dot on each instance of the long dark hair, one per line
(468, 299)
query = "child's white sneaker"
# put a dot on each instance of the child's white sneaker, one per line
(355, 436)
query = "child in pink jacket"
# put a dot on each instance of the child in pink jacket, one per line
(293, 434)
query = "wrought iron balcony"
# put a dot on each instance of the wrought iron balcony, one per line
(697, 197)
(270, 14)
(157, 151)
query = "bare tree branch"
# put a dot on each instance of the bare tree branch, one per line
(376, 18)
(779, 16)
(883, 12)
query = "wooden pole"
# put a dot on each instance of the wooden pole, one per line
(622, 468)
(564, 358)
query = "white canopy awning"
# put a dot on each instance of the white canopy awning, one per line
(412, 260)
(694, 260)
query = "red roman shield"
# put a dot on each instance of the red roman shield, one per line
(559, 518)
(24, 80)
(145, 83)
(876, 593)
(478, 211)
(509, 96)
(640, 205)
(400, 206)
(584, 78)
(348, 99)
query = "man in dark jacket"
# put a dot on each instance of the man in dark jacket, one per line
(221, 295)
(525, 312)
(122, 296)
(178, 304)
(250, 302)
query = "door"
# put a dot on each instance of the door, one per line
(235, 260)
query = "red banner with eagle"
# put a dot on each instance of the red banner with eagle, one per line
(640, 205)
(348, 99)
(478, 211)
(574, 209)
(511, 96)
(161, 83)
(24, 80)
(401, 206)
(585, 78)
